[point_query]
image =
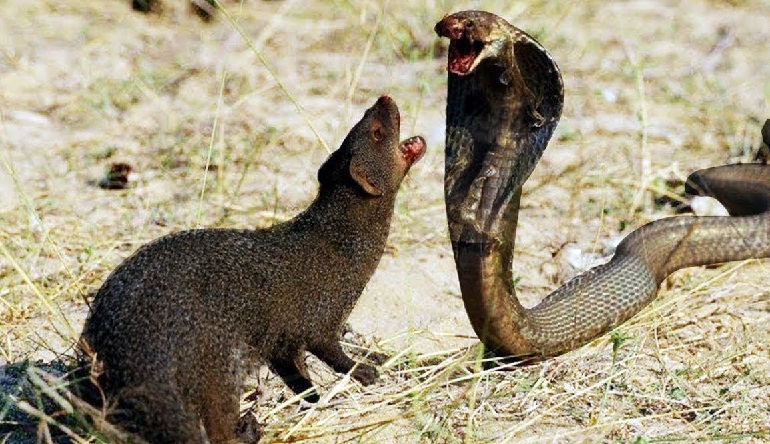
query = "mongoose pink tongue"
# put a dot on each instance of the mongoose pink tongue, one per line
(412, 149)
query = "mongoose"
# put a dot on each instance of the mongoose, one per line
(175, 324)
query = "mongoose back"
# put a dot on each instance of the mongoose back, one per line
(174, 324)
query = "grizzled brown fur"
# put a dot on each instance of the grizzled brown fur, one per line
(175, 325)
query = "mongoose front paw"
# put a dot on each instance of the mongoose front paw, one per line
(311, 396)
(248, 429)
(365, 374)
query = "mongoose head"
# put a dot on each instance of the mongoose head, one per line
(474, 36)
(371, 159)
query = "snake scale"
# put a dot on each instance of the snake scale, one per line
(504, 101)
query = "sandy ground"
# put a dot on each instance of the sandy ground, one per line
(654, 90)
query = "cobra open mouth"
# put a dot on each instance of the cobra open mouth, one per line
(466, 43)
(463, 53)
(412, 149)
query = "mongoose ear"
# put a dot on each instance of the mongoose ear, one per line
(358, 173)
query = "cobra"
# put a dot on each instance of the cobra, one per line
(504, 101)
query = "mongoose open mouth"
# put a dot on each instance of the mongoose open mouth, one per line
(412, 149)
(464, 49)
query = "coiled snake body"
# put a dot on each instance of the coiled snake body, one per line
(504, 100)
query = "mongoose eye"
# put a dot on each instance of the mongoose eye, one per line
(377, 133)
(469, 24)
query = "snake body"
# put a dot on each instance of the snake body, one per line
(504, 101)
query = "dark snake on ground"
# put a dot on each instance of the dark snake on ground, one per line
(504, 101)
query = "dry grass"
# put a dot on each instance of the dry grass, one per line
(654, 90)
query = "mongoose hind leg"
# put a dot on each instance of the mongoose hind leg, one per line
(157, 413)
(292, 369)
(332, 354)
(221, 415)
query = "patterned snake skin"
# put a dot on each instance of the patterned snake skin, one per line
(504, 101)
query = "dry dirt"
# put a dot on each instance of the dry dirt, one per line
(654, 90)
